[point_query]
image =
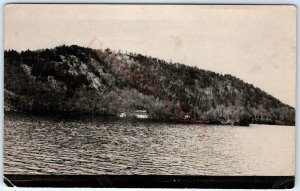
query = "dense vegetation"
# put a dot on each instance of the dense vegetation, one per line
(77, 80)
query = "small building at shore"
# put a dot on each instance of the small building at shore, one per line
(123, 114)
(141, 114)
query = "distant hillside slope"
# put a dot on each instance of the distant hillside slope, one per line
(73, 79)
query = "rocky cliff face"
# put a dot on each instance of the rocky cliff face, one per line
(85, 81)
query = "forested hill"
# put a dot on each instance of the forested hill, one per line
(77, 80)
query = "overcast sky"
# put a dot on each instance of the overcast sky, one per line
(254, 43)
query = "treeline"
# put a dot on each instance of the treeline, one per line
(73, 79)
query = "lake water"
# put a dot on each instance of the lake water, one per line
(34, 145)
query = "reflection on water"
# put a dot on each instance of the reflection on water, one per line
(51, 146)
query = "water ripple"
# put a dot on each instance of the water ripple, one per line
(35, 145)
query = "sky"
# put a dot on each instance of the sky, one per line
(254, 43)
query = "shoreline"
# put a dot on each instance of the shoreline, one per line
(108, 118)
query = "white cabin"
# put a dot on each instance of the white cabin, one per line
(187, 117)
(142, 114)
(123, 114)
